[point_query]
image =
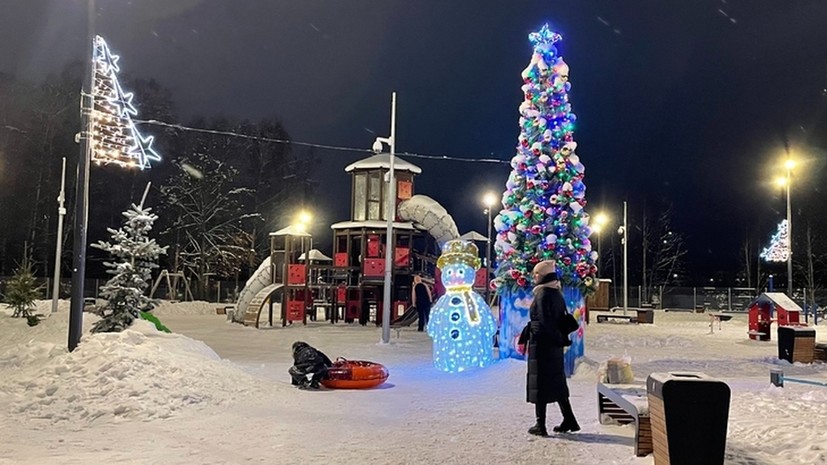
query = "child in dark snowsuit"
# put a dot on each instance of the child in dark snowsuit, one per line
(308, 361)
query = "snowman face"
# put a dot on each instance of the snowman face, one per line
(457, 275)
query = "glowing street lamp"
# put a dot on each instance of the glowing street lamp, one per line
(489, 200)
(302, 223)
(599, 222)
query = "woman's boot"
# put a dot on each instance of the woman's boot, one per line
(569, 422)
(539, 429)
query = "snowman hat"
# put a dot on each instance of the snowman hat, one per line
(459, 252)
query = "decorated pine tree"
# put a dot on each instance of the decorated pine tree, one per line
(779, 248)
(134, 256)
(543, 216)
(115, 137)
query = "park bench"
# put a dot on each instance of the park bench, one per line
(626, 404)
(719, 317)
(605, 317)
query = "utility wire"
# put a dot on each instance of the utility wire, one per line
(155, 122)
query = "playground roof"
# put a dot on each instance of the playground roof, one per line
(777, 298)
(315, 254)
(372, 224)
(473, 236)
(291, 230)
(382, 160)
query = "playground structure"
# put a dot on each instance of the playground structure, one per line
(173, 286)
(297, 284)
(764, 307)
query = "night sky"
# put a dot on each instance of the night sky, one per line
(684, 102)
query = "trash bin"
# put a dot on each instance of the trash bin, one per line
(796, 343)
(645, 316)
(688, 414)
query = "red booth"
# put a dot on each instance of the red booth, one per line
(762, 309)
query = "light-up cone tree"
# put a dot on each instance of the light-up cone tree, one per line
(115, 137)
(543, 215)
(779, 248)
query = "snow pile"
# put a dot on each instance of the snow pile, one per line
(198, 307)
(137, 374)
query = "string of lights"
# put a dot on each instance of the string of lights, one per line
(316, 145)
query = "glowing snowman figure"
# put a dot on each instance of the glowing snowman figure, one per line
(461, 323)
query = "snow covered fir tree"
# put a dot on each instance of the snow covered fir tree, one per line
(543, 216)
(22, 291)
(134, 256)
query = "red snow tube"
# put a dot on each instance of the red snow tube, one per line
(355, 374)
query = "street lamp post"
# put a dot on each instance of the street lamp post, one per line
(61, 212)
(391, 214)
(87, 105)
(789, 164)
(623, 231)
(489, 200)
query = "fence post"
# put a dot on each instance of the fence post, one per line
(729, 299)
(806, 308)
(694, 299)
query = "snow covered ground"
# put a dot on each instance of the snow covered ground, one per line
(144, 397)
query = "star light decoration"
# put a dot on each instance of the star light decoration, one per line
(779, 248)
(114, 137)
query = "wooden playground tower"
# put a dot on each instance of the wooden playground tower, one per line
(359, 245)
(287, 281)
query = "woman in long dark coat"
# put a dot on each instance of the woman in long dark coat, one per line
(546, 380)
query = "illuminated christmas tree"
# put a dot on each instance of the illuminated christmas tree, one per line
(779, 248)
(543, 216)
(115, 139)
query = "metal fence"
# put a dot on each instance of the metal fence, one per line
(217, 291)
(722, 299)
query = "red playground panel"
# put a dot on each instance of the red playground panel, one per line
(296, 274)
(374, 267)
(295, 310)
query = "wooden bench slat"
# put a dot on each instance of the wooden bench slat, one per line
(612, 404)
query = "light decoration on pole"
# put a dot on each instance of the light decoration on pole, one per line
(108, 135)
(778, 250)
(461, 323)
(115, 139)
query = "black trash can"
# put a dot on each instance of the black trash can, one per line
(689, 414)
(796, 344)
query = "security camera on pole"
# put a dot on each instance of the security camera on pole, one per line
(391, 215)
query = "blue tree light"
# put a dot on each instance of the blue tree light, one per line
(461, 324)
